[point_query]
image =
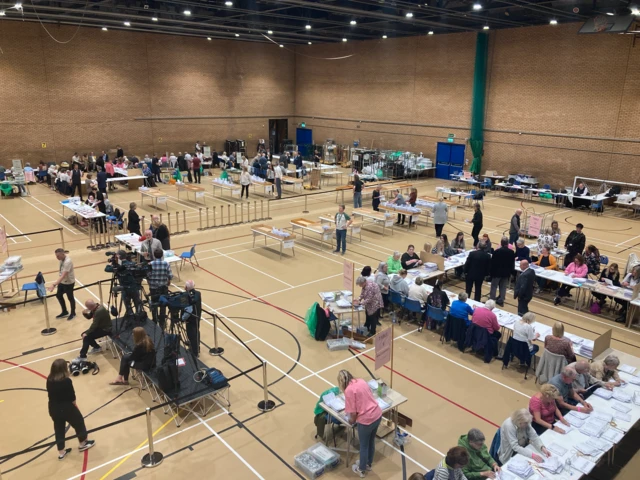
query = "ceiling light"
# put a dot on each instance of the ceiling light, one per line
(187, 12)
(104, 29)
(409, 15)
(154, 19)
(309, 43)
(486, 27)
(2, 13)
(229, 4)
(430, 32)
(308, 27)
(344, 39)
(281, 46)
(384, 36)
(209, 38)
(127, 24)
(477, 6)
(353, 22)
(635, 11)
(237, 34)
(270, 32)
(611, 14)
(553, 22)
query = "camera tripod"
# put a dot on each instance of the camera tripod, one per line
(178, 326)
(128, 294)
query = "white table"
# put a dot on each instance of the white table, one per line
(10, 274)
(326, 234)
(198, 191)
(267, 232)
(155, 195)
(233, 188)
(354, 228)
(132, 240)
(267, 187)
(442, 191)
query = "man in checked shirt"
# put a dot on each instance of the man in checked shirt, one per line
(159, 280)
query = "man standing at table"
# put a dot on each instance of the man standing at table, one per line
(574, 244)
(476, 268)
(277, 171)
(65, 283)
(502, 262)
(342, 222)
(514, 227)
(523, 291)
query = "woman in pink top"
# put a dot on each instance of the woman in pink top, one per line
(576, 269)
(363, 410)
(543, 407)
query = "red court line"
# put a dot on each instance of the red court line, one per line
(388, 368)
(86, 452)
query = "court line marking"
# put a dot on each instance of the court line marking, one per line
(145, 442)
(17, 229)
(247, 464)
(255, 269)
(467, 368)
(142, 448)
(45, 213)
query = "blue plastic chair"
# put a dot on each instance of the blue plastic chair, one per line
(396, 298)
(413, 306)
(187, 256)
(438, 315)
(604, 260)
(486, 183)
(597, 207)
(495, 447)
(546, 186)
(117, 221)
(430, 474)
(36, 286)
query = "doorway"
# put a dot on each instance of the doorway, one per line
(278, 132)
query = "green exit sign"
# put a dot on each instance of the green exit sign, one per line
(450, 139)
(303, 125)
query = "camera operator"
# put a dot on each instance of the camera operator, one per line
(149, 245)
(159, 280)
(193, 323)
(130, 286)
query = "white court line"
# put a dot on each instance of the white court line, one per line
(208, 427)
(622, 243)
(467, 368)
(256, 269)
(145, 447)
(15, 228)
(353, 356)
(44, 213)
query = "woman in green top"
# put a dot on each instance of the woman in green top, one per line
(224, 175)
(480, 462)
(177, 176)
(393, 263)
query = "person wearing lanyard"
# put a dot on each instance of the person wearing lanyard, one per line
(65, 284)
(363, 411)
(278, 179)
(342, 222)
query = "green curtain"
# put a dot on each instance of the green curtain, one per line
(477, 107)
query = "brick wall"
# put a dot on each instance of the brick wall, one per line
(540, 79)
(84, 96)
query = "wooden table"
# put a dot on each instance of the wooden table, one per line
(233, 188)
(155, 195)
(198, 191)
(413, 216)
(10, 274)
(355, 227)
(266, 232)
(293, 181)
(393, 398)
(326, 234)
(426, 202)
(342, 189)
(267, 187)
(375, 217)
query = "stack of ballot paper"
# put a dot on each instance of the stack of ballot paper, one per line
(520, 467)
(382, 404)
(624, 417)
(586, 348)
(612, 435)
(627, 369)
(620, 407)
(594, 427)
(607, 417)
(586, 448)
(603, 393)
(551, 464)
(583, 465)
(342, 303)
(621, 396)
(635, 380)
(333, 401)
(557, 449)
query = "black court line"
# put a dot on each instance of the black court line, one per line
(42, 349)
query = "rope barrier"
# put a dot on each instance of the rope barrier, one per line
(35, 233)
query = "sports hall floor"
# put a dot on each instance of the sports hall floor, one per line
(264, 299)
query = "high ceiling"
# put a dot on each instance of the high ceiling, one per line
(302, 21)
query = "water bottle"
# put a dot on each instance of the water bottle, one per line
(393, 317)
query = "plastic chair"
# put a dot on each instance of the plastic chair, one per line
(36, 286)
(396, 298)
(187, 256)
(546, 186)
(117, 221)
(495, 447)
(438, 315)
(604, 260)
(486, 183)
(596, 208)
(413, 306)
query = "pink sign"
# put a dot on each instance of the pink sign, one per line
(383, 348)
(347, 276)
(3, 240)
(535, 225)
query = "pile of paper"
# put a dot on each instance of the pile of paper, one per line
(576, 419)
(620, 407)
(612, 435)
(382, 404)
(333, 401)
(583, 465)
(342, 303)
(603, 393)
(621, 396)
(627, 369)
(586, 348)
(594, 427)
(635, 381)
(520, 468)
(551, 464)
(557, 449)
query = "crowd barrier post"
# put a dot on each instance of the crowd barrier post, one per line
(242, 213)
(153, 458)
(305, 205)
(143, 226)
(215, 350)
(61, 238)
(268, 208)
(169, 224)
(261, 209)
(221, 215)
(207, 215)
(214, 215)
(265, 405)
(200, 217)
(235, 212)
(228, 213)
(49, 330)
(255, 209)
(100, 293)
(168, 213)
(184, 221)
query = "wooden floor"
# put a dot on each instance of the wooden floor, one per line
(264, 299)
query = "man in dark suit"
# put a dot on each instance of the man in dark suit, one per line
(119, 151)
(524, 287)
(193, 322)
(476, 268)
(297, 161)
(502, 263)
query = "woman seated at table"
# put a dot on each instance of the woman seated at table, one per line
(545, 240)
(558, 344)
(410, 258)
(393, 263)
(450, 467)
(436, 299)
(592, 260)
(142, 358)
(522, 251)
(605, 370)
(418, 293)
(556, 232)
(486, 241)
(544, 409)
(481, 464)
(458, 243)
(612, 273)
(548, 262)
(523, 331)
(399, 284)
(631, 279)
(461, 309)
(518, 436)
(443, 247)
(576, 269)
